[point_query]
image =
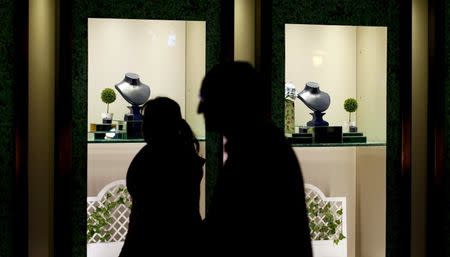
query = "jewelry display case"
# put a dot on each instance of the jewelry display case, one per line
(330, 64)
(349, 53)
(279, 13)
(346, 62)
(168, 56)
(158, 58)
(82, 72)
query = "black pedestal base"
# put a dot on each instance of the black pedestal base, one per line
(356, 137)
(329, 134)
(134, 129)
(317, 120)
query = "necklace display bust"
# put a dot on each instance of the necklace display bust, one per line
(316, 100)
(313, 98)
(133, 90)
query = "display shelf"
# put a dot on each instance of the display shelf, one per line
(140, 140)
(106, 141)
(108, 135)
(340, 144)
(136, 140)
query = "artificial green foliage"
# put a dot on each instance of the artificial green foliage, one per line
(329, 228)
(108, 96)
(10, 69)
(100, 219)
(350, 105)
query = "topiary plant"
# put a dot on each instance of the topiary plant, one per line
(350, 105)
(108, 96)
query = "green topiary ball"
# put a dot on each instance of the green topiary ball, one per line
(350, 105)
(108, 95)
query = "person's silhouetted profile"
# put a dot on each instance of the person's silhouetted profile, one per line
(164, 183)
(258, 204)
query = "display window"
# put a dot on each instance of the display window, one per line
(129, 62)
(142, 59)
(300, 60)
(165, 47)
(335, 118)
(337, 78)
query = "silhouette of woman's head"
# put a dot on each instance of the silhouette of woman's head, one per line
(232, 94)
(162, 119)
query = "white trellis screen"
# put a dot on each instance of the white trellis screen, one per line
(324, 246)
(108, 213)
(108, 216)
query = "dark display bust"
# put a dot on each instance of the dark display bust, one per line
(136, 93)
(316, 100)
(133, 90)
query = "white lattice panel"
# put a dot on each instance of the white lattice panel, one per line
(337, 205)
(108, 213)
(323, 245)
(116, 197)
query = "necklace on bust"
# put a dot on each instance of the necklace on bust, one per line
(133, 90)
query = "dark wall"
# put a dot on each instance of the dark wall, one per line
(7, 69)
(446, 55)
(439, 127)
(396, 16)
(70, 176)
(13, 126)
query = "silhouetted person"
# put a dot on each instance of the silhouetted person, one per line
(258, 205)
(164, 183)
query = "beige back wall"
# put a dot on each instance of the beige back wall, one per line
(109, 162)
(154, 49)
(371, 74)
(195, 71)
(169, 56)
(333, 170)
(324, 54)
(346, 61)
(371, 201)
(359, 174)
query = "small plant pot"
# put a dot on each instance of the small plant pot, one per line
(107, 118)
(352, 127)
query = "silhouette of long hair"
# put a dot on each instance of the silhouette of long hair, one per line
(163, 123)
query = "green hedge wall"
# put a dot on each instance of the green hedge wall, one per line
(7, 147)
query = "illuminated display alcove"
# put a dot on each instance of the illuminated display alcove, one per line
(168, 55)
(347, 62)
